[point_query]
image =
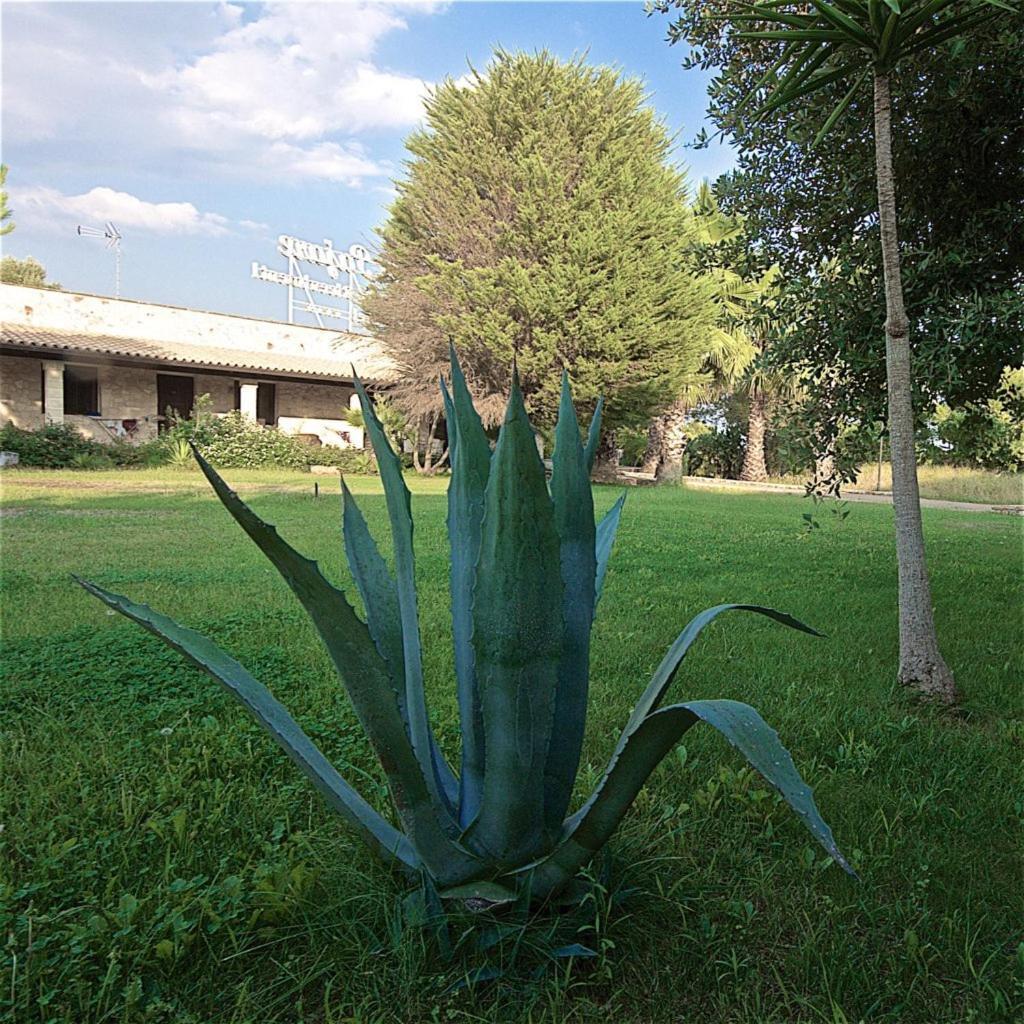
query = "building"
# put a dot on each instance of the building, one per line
(115, 368)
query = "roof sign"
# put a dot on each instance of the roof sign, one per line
(352, 264)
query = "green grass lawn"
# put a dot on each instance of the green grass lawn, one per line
(161, 860)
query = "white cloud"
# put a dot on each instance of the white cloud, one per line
(299, 71)
(269, 92)
(47, 207)
(327, 160)
(290, 89)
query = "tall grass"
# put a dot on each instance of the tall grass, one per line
(953, 483)
(945, 483)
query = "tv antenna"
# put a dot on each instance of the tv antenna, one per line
(113, 237)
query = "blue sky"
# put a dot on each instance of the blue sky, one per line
(206, 130)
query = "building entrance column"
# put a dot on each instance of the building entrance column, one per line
(53, 391)
(247, 399)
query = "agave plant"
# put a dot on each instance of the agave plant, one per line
(527, 568)
(180, 454)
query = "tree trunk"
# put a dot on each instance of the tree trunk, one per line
(607, 455)
(417, 462)
(426, 432)
(921, 664)
(754, 468)
(671, 465)
(655, 445)
(428, 455)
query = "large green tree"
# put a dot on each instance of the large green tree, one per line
(957, 159)
(851, 45)
(541, 220)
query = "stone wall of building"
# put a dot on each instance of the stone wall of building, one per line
(21, 392)
(125, 393)
(317, 409)
(321, 401)
(220, 389)
(130, 393)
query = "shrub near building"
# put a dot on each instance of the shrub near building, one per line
(230, 441)
(61, 446)
(236, 442)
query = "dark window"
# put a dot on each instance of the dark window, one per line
(266, 395)
(81, 391)
(175, 396)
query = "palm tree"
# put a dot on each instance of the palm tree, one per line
(729, 353)
(751, 310)
(730, 350)
(765, 386)
(847, 43)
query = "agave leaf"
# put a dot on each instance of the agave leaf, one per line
(646, 746)
(594, 434)
(441, 783)
(491, 893)
(604, 540)
(574, 521)
(666, 671)
(366, 680)
(517, 636)
(759, 743)
(574, 949)
(380, 596)
(449, 418)
(471, 466)
(377, 588)
(382, 837)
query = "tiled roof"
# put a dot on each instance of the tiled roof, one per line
(367, 362)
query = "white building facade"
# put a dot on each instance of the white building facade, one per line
(116, 368)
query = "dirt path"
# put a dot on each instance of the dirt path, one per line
(873, 497)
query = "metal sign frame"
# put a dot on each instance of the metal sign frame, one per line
(351, 265)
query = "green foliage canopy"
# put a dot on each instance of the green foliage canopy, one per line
(6, 213)
(956, 156)
(541, 220)
(29, 273)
